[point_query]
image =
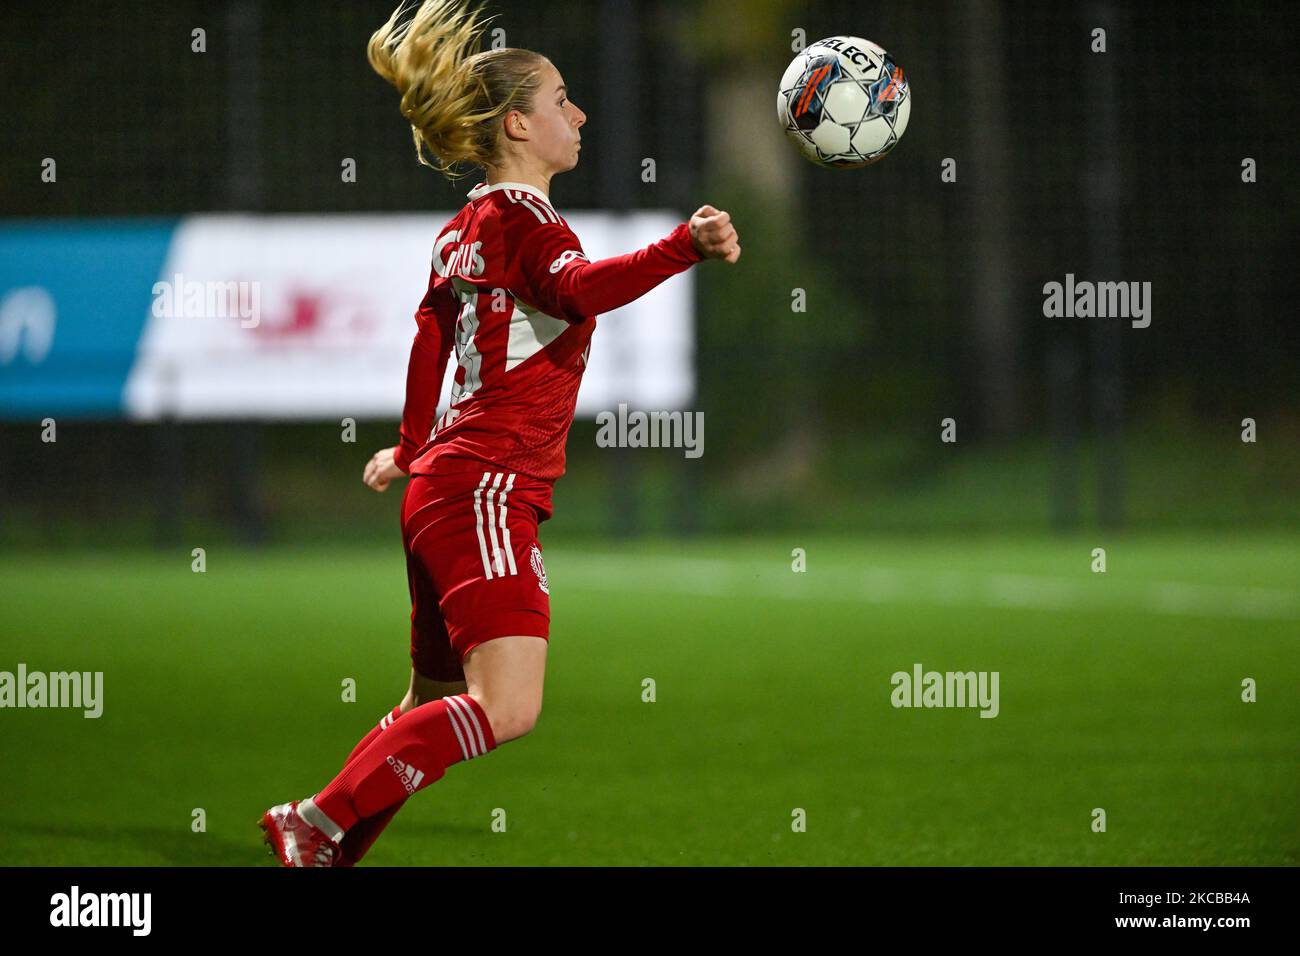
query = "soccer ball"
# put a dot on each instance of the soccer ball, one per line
(844, 102)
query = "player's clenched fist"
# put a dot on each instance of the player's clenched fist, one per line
(380, 470)
(714, 235)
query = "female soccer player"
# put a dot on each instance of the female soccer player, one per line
(515, 296)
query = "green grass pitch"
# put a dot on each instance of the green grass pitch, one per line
(1120, 691)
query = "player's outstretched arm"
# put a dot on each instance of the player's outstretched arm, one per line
(560, 280)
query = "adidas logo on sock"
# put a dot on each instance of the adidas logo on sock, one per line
(409, 776)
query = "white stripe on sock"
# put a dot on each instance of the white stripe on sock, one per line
(460, 739)
(465, 715)
(478, 729)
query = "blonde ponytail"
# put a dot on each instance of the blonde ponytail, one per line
(452, 96)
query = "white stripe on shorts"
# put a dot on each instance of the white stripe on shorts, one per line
(492, 527)
(478, 515)
(496, 551)
(505, 529)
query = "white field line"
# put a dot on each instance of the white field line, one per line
(878, 585)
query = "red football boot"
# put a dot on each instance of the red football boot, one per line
(307, 838)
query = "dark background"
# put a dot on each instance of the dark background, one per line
(925, 298)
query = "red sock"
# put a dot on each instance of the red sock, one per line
(357, 842)
(362, 836)
(374, 732)
(410, 754)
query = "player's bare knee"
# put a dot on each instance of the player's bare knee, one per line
(510, 720)
(525, 719)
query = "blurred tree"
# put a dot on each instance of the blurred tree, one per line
(763, 365)
(993, 322)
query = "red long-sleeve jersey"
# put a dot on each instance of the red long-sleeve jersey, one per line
(512, 292)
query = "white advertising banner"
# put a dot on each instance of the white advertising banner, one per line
(293, 317)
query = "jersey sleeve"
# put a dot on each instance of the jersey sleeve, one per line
(434, 337)
(559, 279)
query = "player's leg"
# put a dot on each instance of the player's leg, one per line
(478, 549)
(510, 596)
(436, 670)
(415, 750)
(505, 676)
(424, 689)
(435, 666)
(358, 840)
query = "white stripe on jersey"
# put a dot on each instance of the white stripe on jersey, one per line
(530, 331)
(468, 356)
(543, 212)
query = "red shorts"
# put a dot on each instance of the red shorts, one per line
(473, 561)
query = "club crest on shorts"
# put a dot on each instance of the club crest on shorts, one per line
(539, 569)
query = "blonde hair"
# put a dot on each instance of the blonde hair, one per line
(452, 96)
